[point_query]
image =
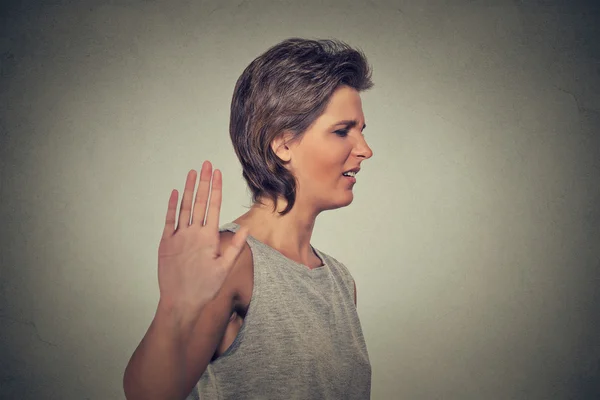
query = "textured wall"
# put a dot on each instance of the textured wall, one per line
(473, 236)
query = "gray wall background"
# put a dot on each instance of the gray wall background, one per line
(473, 236)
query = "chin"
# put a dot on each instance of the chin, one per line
(343, 202)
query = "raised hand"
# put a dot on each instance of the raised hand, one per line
(191, 270)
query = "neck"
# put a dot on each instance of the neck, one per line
(289, 234)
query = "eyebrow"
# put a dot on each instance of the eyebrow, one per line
(350, 123)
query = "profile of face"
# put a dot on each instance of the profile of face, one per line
(332, 145)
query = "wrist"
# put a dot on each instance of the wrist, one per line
(176, 317)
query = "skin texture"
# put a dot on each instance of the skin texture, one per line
(198, 277)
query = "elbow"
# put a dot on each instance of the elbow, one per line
(129, 385)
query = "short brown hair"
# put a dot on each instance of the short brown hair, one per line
(285, 90)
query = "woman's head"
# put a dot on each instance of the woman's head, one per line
(279, 96)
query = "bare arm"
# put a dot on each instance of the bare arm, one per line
(176, 351)
(197, 289)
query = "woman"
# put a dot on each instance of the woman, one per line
(261, 314)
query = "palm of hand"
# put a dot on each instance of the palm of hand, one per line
(190, 269)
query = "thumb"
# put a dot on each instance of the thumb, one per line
(235, 248)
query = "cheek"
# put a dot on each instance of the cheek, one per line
(323, 173)
(317, 172)
(323, 162)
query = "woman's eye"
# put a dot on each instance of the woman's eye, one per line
(342, 132)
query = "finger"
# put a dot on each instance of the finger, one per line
(186, 201)
(171, 212)
(237, 244)
(202, 194)
(214, 208)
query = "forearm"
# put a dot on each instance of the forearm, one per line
(157, 368)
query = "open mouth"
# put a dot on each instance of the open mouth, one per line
(350, 177)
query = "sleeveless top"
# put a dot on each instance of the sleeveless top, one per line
(301, 337)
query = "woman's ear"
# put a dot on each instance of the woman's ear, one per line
(281, 146)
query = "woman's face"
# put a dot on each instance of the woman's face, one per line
(332, 145)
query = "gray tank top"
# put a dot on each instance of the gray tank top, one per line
(301, 337)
